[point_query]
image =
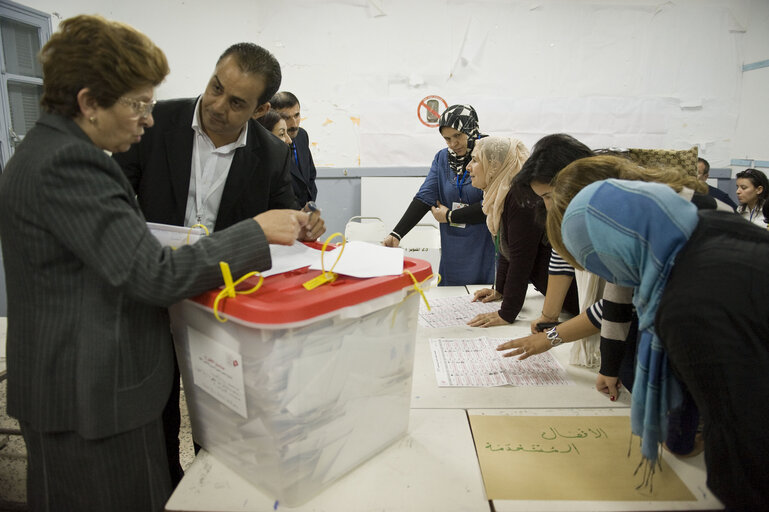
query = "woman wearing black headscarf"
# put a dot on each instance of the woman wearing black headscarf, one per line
(467, 250)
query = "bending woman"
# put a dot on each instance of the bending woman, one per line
(645, 236)
(524, 253)
(467, 251)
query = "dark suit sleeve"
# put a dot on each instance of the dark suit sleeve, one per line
(282, 194)
(313, 176)
(88, 203)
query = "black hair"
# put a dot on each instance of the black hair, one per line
(548, 156)
(283, 99)
(270, 119)
(758, 179)
(254, 59)
(705, 163)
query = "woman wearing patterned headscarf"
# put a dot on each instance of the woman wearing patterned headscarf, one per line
(467, 251)
(523, 251)
(677, 260)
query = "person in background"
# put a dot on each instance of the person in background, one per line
(645, 236)
(467, 250)
(89, 349)
(703, 171)
(276, 124)
(207, 162)
(303, 173)
(523, 249)
(752, 192)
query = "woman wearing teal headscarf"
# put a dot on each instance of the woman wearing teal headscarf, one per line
(683, 266)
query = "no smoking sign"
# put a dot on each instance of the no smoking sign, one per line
(430, 109)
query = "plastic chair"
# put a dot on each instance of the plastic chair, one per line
(368, 229)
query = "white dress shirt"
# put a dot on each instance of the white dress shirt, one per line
(210, 167)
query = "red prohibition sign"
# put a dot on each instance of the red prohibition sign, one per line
(429, 110)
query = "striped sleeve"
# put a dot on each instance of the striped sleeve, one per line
(559, 266)
(617, 313)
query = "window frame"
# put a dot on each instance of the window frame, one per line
(35, 18)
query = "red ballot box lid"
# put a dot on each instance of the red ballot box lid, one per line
(283, 300)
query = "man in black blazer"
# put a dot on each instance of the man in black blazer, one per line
(206, 161)
(303, 171)
(703, 170)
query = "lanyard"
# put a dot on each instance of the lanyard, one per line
(461, 183)
(296, 156)
(753, 212)
(200, 195)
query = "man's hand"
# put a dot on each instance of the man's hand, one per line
(315, 227)
(282, 226)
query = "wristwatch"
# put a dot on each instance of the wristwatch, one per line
(553, 336)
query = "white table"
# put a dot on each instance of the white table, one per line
(433, 467)
(426, 394)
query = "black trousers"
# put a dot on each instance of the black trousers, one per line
(713, 320)
(171, 424)
(125, 472)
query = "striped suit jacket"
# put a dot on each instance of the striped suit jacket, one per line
(89, 345)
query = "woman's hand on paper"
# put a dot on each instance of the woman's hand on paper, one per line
(608, 386)
(282, 226)
(525, 347)
(486, 295)
(487, 320)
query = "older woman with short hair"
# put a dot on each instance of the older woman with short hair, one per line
(89, 348)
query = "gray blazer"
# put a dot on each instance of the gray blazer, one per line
(89, 346)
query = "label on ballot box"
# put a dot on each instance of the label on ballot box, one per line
(326, 375)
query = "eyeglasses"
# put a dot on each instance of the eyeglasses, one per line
(141, 108)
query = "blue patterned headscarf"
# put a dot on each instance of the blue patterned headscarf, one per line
(629, 233)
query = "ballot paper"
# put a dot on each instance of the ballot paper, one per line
(453, 311)
(286, 258)
(363, 259)
(175, 236)
(359, 259)
(475, 362)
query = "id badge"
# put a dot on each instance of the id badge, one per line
(457, 206)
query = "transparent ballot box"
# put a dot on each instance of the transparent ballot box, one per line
(298, 387)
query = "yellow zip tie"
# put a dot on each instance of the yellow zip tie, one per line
(230, 289)
(189, 232)
(205, 229)
(417, 289)
(325, 277)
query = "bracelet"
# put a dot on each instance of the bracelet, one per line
(553, 336)
(448, 216)
(551, 318)
(395, 235)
